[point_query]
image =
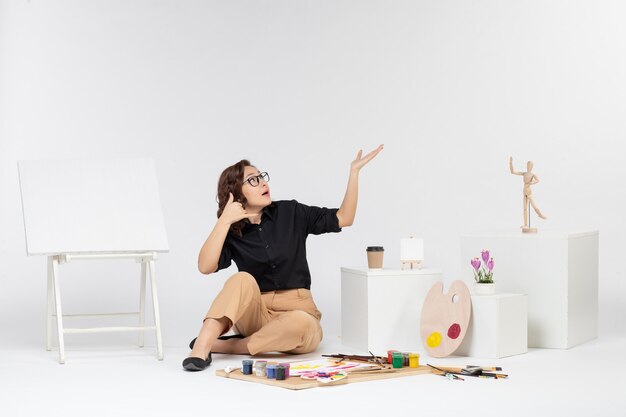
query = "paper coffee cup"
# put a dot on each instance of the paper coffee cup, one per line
(375, 257)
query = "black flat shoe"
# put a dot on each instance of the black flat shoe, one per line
(196, 364)
(230, 336)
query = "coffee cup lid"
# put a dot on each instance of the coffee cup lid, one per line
(375, 249)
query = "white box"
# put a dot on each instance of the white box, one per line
(559, 273)
(498, 326)
(381, 309)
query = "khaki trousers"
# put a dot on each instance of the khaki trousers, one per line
(276, 321)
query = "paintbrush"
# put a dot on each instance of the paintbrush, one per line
(449, 375)
(494, 375)
(485, 368)
(371, 370)
(376, 359)
(475, 371)
(354, 358)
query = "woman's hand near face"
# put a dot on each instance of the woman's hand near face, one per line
(234, 211)
(210, 253)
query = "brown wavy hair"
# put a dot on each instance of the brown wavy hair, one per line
(231, 182)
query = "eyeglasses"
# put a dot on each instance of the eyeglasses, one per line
(256, 179)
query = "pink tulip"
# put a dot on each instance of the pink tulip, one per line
(475, 263)
(485, 255)
(490, 265)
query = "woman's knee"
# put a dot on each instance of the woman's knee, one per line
(302, 325)
(242, 279)
(308, 331)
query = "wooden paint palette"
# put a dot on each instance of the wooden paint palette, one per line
(445, 318)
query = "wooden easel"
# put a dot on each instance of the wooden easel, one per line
(412, 252)
(55, 310)
(418, 264)
(77, 210)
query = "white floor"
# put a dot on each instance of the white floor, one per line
(128, 381)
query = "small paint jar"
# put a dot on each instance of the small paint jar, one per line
(260, 368)
(271, 371)
(414, 360)
(246, 366)
(405, 359)
(397, 359)
(287, 366)
(390, 355)
(280, 373)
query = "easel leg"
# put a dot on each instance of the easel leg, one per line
(49, 306)
(58, 309)
(142, 303)
(155, 306)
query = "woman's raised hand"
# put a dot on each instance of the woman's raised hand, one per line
(234, 211)
(361, 160)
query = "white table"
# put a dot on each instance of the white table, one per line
(557, 270)
(381, 309)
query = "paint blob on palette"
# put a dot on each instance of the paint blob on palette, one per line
(445, 318)
(326, 377)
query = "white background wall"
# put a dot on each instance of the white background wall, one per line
(451, 87)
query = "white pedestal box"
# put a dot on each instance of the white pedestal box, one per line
(558, 272)
(498, 327)
(381, 309)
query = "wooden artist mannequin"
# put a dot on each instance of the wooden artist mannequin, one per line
(529, 179)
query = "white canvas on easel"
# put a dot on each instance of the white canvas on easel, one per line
(93, 209)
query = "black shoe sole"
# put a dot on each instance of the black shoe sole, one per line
(230, 336)
(196, 364)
